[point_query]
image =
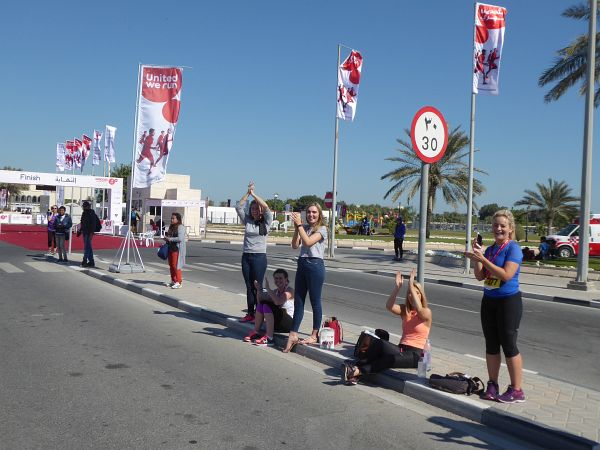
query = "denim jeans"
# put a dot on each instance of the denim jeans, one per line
(254, 266)
(88, 253)
(310, 277)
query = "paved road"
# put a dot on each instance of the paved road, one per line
(89, 365)
(557, 340)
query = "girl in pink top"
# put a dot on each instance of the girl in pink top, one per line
(416, 323)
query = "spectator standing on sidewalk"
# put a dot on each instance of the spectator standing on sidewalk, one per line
(87, 228)
(501, 307)
(62, 225)
(175, 237)
(51, 215)
(399, 233)
(311, 238)
(254, 256)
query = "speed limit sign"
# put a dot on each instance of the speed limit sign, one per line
(429, 134)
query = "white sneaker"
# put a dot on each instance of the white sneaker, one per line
(176, 286)
(170, 284)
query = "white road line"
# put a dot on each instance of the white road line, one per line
(533, 372)
(162, 266)
(387, 295)
(45, 267)
(223, 266)
(9, 268)
(209, 286)
(203, 269)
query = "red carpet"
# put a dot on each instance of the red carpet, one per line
(35, 237)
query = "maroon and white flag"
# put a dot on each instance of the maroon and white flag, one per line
(490, 22)
(77, 153)
(158, 112)
(347, 88)
(70, 149)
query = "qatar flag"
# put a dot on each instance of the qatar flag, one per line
(490, 23)
(347, 88)
(158, 112)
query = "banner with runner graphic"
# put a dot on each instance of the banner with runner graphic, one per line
(77, 153)
(490, 22)
(347, 88)
(85, 149)
(109, 144)
(70, 148)
(158, 112)
(96, 148)
(60, 156)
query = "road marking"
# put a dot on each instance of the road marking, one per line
(209, 285)
(203, 269)
(387, 295)
(225, 266)
(43, 266)
(163, 267)
(9, 268)
(533, 372)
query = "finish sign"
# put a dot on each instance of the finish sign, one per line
(429, 134)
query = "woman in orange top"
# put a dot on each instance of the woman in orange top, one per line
(416, 323)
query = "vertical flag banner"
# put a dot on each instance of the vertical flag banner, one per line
(347, 89)
(60, 195)
(490, 22)
(87, 147)
(3, 198)
(158, 112)
(60, 156)
(96, 148)
(78, 153)
(109, 144)
(70, 147)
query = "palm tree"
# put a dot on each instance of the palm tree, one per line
(552, 201)
(450, 174)
(14, 189)
(570, 65)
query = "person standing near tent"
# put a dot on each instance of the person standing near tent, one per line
(52, 214)
(134, 220)
(87, 228)
(175, 237)
(62, 225)
(254, 256)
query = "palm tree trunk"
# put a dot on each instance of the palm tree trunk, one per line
(430, 200)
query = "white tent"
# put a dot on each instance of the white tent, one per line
(173, 204)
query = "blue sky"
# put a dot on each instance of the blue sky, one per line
(259, 100)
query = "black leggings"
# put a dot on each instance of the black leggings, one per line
(500, 319)
(51, 239)
(398, 247)
(383, 355)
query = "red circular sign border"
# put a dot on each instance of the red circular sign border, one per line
(419, 113)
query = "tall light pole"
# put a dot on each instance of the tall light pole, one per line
(582, 283)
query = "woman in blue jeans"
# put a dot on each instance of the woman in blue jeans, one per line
(311, 237)
(254, 258)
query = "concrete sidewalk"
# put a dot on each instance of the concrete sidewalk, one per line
(556, 415)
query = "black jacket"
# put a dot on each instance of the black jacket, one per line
(88, 222)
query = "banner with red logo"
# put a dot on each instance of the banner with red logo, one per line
(158, 112)
(490, 22)
(85, 149)
(70, 148)
(77, 153)
(109, 144)
(347, 89)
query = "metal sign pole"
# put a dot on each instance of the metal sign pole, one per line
(335, 158)
(423, 223)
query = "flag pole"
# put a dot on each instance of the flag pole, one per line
(335, 158)
(471, 157)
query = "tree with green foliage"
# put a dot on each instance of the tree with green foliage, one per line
(303, 202)
(552, 201)
(450, 174)
(14, 189)
(122, 171)
(569, 68)
(487, 211)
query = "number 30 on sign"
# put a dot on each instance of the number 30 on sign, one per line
(429, 134)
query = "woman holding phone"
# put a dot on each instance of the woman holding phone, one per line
(501, 307)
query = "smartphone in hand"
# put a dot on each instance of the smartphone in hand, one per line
(479, 239)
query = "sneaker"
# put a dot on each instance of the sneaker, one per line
(512, 395)
(176, 286)
(60, 260)
(252, 336)
(264, 342)
(491, 392)
(169, 284)
(247, 318)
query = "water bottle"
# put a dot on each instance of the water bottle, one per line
(427, 353)
(421, 369)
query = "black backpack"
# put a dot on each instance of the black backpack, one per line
(98, 224)
(456, 383)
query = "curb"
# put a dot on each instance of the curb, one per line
(407, 384)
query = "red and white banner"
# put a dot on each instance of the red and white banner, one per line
(86, 148)
(158, 112)
(77, 153)
(70, 147)
(490, 22)
(96, 148)
(347, 89)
